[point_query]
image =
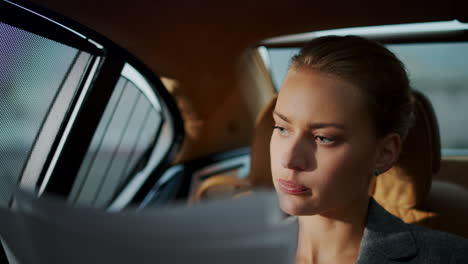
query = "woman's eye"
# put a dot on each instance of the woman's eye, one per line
(324, 140)
(281, 130)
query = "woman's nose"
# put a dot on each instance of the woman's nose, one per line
(295, 157)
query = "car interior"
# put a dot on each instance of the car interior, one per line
(117, 105)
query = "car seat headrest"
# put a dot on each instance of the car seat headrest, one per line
(260, 171)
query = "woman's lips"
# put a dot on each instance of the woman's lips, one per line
(291, 187)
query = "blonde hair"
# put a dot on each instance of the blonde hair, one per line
(371, 67)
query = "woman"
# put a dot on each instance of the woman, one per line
(341, 118)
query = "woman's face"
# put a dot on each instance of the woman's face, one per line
(323, 146)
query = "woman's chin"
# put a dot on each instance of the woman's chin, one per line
(296, 208)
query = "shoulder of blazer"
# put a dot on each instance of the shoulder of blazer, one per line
(385, 237)
(389, 238)
(441, 245)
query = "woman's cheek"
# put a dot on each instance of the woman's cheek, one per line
(336, 165)
(349, 170)
(274, 153)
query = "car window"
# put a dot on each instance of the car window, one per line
(278, 63)
(35, 72)
(131, 123)
(438, 70)
(80, 117)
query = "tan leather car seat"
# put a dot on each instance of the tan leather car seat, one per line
(405, 190)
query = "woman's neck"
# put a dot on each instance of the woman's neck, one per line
(332, 237)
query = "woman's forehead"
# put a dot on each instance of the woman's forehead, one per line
(311, 96)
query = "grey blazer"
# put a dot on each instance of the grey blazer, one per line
(387, 239)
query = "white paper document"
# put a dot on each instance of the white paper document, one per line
(238, 231)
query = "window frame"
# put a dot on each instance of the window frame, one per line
(72, 140)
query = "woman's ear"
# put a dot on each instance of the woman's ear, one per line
(388, 151)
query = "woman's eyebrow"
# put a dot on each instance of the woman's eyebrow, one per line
(324, 125)
(281, 116)
(313, 125)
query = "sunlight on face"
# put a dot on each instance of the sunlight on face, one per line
(323, 145)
